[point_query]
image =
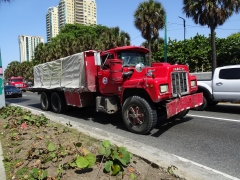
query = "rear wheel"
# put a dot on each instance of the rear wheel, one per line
(58, 103)
(45, 101)
(138, 115)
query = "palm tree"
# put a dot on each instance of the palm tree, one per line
(155, 44)
(13, 69)
(212, 13)
(149, 19)
(4, 1)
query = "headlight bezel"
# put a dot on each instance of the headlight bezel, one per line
(164, 88)
(193, 83)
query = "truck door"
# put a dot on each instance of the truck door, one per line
(226, 84)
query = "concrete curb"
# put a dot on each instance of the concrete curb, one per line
(186, 168)
(2, 169)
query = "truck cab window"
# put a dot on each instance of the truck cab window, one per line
(131, 58)
(105, 59)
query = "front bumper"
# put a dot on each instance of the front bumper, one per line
(183, 103)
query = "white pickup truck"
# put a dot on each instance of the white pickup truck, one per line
(224, 86)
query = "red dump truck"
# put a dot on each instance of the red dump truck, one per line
(118, 80)
(18, 82)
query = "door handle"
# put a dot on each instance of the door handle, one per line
(219, 83)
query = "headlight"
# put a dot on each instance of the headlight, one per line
(193, 83)
(164, 88)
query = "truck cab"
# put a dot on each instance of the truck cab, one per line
(18, 82)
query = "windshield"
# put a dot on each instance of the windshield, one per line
(10, 88)
(131, 58)
(16, 80)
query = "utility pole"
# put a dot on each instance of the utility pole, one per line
(184, 25)
(2, 95)
(165, 38)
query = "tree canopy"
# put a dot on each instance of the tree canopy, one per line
(212, 13)
(149, 19)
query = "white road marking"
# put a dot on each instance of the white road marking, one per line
(209, 117)
(207, 168)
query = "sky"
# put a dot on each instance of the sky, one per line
(28, 17)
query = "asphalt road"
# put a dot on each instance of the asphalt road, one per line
(209, 138)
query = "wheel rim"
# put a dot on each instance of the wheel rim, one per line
(135, 115)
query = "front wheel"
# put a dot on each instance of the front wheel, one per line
(138, 115)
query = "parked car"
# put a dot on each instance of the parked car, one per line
(223, 86)
(12, 91)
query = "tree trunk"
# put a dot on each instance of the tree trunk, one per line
(213, 45)
(150, 51)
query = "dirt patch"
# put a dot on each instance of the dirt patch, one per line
(36, 148)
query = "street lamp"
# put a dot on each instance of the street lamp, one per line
(165, 36)
(184, 25)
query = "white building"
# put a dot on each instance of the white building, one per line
(27, 45)
(70, 12)
(52, 22)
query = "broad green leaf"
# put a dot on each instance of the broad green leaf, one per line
(82, 162)
(5, 126)
(91, 159)
(45, 173)
(53, 155)
(102, 150)
(51, 147)
(73, 164)
(26, 117)
(132, 176)
(106, 143)
(34, 172)
(108, 166)
(107, 153)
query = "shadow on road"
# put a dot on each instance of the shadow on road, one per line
(16, 100)
(164, 125)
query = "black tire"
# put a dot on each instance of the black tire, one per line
(203, 106)
(213, 103)
(182, 114)
(45, 101)
(58, 103)
(146, 115)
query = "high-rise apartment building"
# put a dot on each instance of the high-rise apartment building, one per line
(65, 12)
(27, 45)
(85, 12)
(52, 22)
(70, 12)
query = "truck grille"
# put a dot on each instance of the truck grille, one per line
(179, 83)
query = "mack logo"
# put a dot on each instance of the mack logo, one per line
(178, 69)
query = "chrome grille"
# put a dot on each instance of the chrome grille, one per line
(179, 83)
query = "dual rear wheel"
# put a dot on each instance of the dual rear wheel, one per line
(55, 102)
